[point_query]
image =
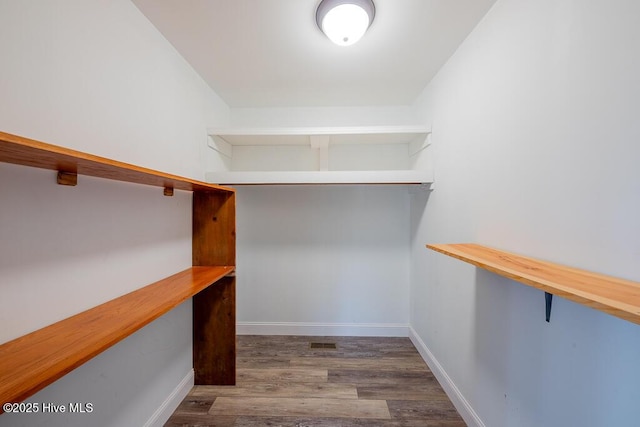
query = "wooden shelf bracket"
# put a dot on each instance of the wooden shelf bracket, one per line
(67, 178)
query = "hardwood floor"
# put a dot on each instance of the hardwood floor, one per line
(363, 382)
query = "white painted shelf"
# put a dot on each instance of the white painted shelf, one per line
(240, 144)
(337, 135)
(320, 177)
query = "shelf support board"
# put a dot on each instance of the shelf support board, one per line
(321, 143)
(67, 178)
(420, 143)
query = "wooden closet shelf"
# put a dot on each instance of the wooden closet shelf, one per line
(28, 152)
(35, 360)
(615, 296)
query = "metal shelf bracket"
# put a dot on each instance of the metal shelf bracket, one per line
(548, 299)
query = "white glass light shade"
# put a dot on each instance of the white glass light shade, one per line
(345, 21)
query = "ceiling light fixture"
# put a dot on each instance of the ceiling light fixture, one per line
(345, 21)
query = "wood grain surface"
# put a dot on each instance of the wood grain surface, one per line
(31, 362)
(214, 310)
(611, 295)
(28, 152)
(300, 407)
(342, 387)
(214, 229)
(214, 334)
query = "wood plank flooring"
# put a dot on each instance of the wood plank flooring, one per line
(281, 381)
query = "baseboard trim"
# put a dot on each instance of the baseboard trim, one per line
(462, 405)
(166, 409)
(323, 329)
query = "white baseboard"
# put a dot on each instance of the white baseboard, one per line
(163, 413)
(323, 329)
(462, 405)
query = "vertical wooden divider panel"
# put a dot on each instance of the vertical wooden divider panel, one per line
(214, 309)
(214, 334)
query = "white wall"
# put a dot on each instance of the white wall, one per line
(341, 157)
(322, 260)
(323, 116)
(98, 77)
(535, 132)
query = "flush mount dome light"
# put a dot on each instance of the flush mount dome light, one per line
(345, 21)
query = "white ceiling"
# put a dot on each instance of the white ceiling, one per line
(270, 53)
